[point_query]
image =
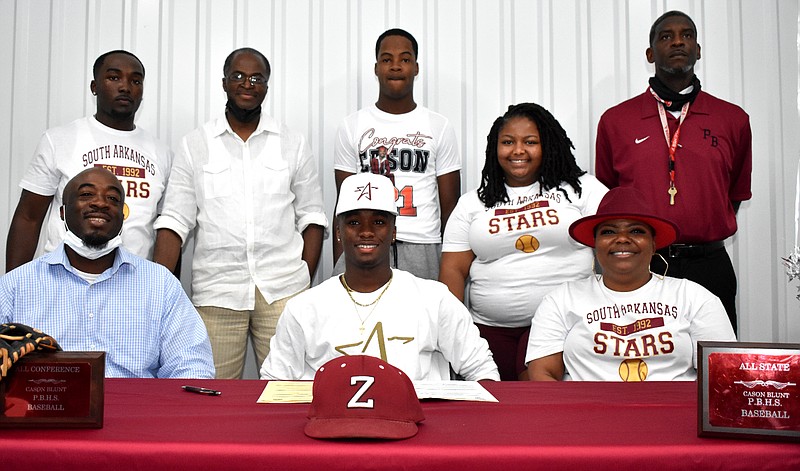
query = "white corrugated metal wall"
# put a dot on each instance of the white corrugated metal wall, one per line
(575, 57)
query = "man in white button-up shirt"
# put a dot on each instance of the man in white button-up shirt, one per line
(250, 188)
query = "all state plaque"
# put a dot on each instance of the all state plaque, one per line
(749, 390)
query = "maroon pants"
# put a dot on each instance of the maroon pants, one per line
(508, 346)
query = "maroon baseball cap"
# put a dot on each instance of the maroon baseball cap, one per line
(361, 396)
(624, 203)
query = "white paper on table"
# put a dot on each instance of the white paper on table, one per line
(301, 391)
(453, 391)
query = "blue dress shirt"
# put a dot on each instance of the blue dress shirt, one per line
(136, 311)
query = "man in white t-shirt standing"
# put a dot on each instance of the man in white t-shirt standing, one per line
(109, 139)
(410, 144)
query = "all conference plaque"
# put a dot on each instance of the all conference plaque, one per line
(748, 390)
(59, 389)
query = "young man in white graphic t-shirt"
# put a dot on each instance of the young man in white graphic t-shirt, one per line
(414, 324)
(109, 139)
(413, 146)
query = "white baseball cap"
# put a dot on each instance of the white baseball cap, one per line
(366, 191)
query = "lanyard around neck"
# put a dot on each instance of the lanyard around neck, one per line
(672, 143)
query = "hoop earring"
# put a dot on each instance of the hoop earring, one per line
(661, 277)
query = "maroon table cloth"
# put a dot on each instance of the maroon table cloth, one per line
(154, 424)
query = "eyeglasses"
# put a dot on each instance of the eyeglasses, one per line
(238, 77)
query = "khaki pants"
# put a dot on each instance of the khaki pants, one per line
(228, 330)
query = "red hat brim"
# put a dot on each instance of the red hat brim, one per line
(583, 230)
(360, 427)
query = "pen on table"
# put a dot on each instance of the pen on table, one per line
(199, 390)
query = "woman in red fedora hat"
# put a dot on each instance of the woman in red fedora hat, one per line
(627, 324)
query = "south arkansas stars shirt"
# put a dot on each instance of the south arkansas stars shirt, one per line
(522, 248)
(647, 334)
(141, 163)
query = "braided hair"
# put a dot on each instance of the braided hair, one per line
(558, 163)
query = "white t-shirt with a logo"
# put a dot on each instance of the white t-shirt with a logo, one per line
(141, 163)
(412, 149)
(649, 334)
(522, 248)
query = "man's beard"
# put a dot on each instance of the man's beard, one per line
(120, 115)
(94, 241)
(677, 71)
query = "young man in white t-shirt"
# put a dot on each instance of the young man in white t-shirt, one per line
(413, 146)
(417, 325)
(109, 139)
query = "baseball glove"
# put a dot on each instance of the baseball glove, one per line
(17, 340)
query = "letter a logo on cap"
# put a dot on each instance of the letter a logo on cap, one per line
(366, 191)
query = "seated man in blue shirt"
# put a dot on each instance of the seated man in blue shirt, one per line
(91, 294)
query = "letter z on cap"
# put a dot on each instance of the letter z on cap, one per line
(361, 396)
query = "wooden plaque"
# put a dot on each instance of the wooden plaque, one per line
(58, 389)
(748, 390)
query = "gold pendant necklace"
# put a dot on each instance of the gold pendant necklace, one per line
(357, 304)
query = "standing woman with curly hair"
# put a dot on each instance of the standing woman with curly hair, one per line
(510, 236)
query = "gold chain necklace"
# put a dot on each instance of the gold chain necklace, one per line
(374, 303)
(350, 291)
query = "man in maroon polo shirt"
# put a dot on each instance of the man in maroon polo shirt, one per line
(688, 152)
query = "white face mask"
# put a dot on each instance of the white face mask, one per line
(92, 253)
